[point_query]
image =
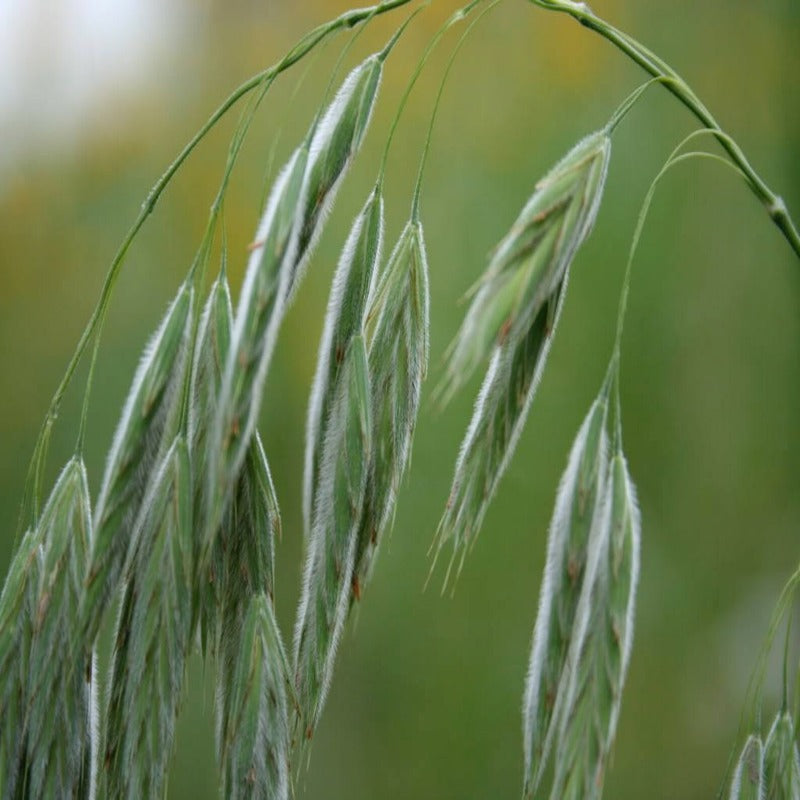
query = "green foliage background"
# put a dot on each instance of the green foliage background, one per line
(426, 697)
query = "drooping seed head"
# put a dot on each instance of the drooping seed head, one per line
(589, 694)
(748, 777)
(347, 305)
(58, 724)
(148, 423)
(152, 637)
(781, 761)
(254, 742)
(398, 361)
(528, 266)
(578, 511)
(330, 556)
(514, 314)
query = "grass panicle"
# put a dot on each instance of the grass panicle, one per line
(352, 285)
(577, 510)
(781, 760)
(398, 362)
(152, 637)
(148, 423)
(748, 777)
(330, 552)
(600, 647)
(255, 730)
(514, 315)
(17, 613)
(58, 707)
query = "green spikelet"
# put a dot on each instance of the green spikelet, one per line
(513, 316)
(331, 549)
(398, 361)
(147, 426)
(781, 762)
(748, 777)
(590, 693)
(255, 725)
(60, 664)
(577, 510)
(152, 637)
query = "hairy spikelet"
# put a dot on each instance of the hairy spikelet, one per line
(152, 637)
(748, 777)
(781, 761)
(146, 428)
(59, 671)
(513, 316)
(330, 556)
(577, 510)
(255, 727)
(588, 705)
(352, 285)
(398, 361)
(292, 223)
(17, 613)
(241, 558)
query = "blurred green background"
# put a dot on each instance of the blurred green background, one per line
(427, 691)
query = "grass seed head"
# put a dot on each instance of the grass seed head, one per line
(748, 777)
(578, 510)
(781, 761)
(330, 551)
(254, 744)
(398, 362)
(347, 308)
(528, 267)
(152, 637)
(588, 699)
(148, 423)
(58, 725)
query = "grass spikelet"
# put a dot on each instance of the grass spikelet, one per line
(255, 729)
(148, 423)
(242, 553)
(330, 556)
(17, 612)
(398, 361)
(514, 315)
(578, 503)
(748, 777)
(528, 266)
(781, 761)
(352, 285)
(58, 725)
(601, 644)
(152, 637)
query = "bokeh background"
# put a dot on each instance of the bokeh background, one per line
(96, 98)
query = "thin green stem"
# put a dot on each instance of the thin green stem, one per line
(675, 157)
(427, 146)
(657, 67)
(455, 17)
(347, 20)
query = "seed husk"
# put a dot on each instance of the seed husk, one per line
(58, 727)
(330, 556)
(255, 728)
(152, 637)
(577, 511)
(748, 777)
(590, 694)
(781, 761)
(398, 362)
(352, 286)
(514, 315)
(148, 423)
